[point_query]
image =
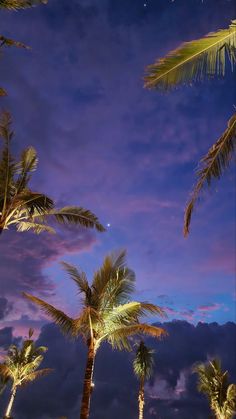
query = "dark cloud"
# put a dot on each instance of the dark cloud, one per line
(5, 307)
(25, 255)
(171, 393)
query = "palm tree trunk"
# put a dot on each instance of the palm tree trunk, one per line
(10, 404)
(141, 399)
(88, 377)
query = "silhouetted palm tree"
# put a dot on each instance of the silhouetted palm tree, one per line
(190, 62)
(143, 369)
(21, 367)
(213, 382)
(22, 207)
(107, 314)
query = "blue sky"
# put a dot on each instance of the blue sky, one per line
(126, 153)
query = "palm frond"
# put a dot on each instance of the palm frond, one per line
(36, 227)
(212, 166)
(119, 337)
(5, 371)
(37, 204)
(78, 277)
(77, 215)
(28, 163)
(35, 375)
(194, 60)
(59, 317)
(8, 42)
(114, 282)
(20, 4)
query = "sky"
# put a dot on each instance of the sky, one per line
(126, 153)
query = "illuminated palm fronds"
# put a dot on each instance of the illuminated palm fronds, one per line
(212, 166)
(213, 382)
(22, 207)
(20, 367)
(194, 60)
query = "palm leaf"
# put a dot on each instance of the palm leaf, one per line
(194, 60)
(211, 166)
(5, 371)
(8, 42)
(78, 277)
(36, 203)
(59, 317)
(35, 375)
(118, 338)
(27, 164)
(77, 215)
(36, 227)
(19, 4)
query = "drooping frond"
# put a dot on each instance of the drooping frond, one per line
(143, 362)
(119, 337)
(130, 312)
(8, 42)
(79, 277)
(36, 203)
(77, 215)
(212, 166)
(59, 317)
(37, 228)
(5, 372)
(35, 375)
(20, 4)
(194, 60)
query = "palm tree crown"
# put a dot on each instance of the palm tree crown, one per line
(107, 313)
(22, 207)
(190, 62)
(143, 362)
(21, 366)
(214, 383)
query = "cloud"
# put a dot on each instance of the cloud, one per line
(171, 392)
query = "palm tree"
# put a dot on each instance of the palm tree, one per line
(213, 382)
(143, 369)
(22, 207)
(107, 314)
(191, 62)
(21, 367)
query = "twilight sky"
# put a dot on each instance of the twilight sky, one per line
(125, 153)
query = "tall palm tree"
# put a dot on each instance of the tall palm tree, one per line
(107, 314)
(21, 367)
(190, 62)
(143, 369)
(213, 382)
(22, 207)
